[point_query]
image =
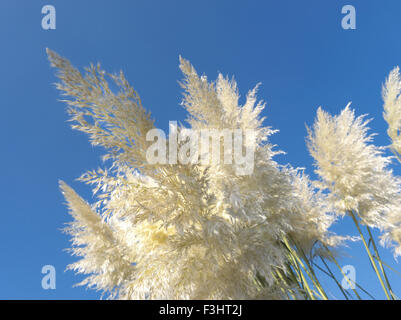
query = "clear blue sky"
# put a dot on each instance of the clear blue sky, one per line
(297, 49)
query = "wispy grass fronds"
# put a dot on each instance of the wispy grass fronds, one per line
(202, 231)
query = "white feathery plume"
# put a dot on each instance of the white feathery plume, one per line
(354, 170)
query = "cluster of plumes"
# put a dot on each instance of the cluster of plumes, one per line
(183, 231)
(356, 172)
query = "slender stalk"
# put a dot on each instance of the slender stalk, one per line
(310, 273)
(380, 263)
(369, 253)
(281, 276)
(330, 274)
(391, 268)
(278, 280)
(301, 278)
(308, 289)
(314, 277)
(295, 277)
(341, 270)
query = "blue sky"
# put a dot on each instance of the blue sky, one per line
(296, 49)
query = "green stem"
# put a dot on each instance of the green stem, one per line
(380, 263)
(302, 281)
(341, 270)
(310, 273)
(330, 274)
(369, 253)
(314, 277)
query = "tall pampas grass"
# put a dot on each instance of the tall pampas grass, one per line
(203, 231)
